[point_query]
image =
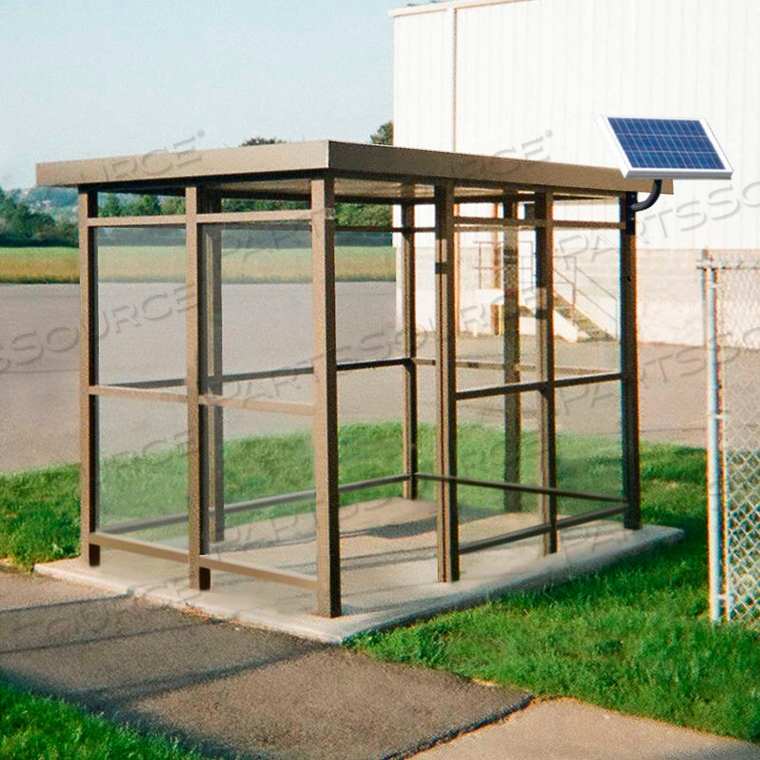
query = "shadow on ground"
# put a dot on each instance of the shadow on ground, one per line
(230, 690)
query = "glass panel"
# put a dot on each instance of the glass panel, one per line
(266, 295)
(586, 295)
(589, 443)
(588, 535)
(497, 440)
(426, 426)
(368, 316)
(142, 300)
(370, 408)
(424, 269)
(143, 469)
(377, 526)
(268, 455)
(496, 302)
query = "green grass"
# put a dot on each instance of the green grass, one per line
(166, 263)
(39, 265)
(634, 637)
(40, 728)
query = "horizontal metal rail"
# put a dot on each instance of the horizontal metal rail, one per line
(378, 228)
(267, 374)
(520, 487)
(424, 361)
(248, 217)
(260, 572)
(167, 220)
(501, 390)
(602, 377)
(581, 224)
(161, 521)
(136, 546)
(494, 221)
(140, 393)
(537, 385)
(273, 406)
(542, 529)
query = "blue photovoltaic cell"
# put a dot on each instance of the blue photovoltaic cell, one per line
(666, 144)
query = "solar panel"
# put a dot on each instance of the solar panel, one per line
(666, 148)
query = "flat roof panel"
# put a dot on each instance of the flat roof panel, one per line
(397, 166)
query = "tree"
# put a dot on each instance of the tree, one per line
(145, 205)
(112, 206)
(384, 134)
(21, 225)
(262, 141)
(173, 205)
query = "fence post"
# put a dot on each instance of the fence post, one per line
(714, 470)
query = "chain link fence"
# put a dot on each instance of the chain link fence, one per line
(731, 288)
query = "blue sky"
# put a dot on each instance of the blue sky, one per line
(111, 77)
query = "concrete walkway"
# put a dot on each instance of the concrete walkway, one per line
(232, 690)
(564, 729)
(228, 689)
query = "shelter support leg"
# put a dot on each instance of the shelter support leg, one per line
(198, 418)
(510, 284)
(547, 431)
(214, 370)
(446, 410)
(325, 429)
(89, 445)
(409, 319)
(629, 364)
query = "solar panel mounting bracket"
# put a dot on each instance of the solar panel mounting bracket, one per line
(650, 200)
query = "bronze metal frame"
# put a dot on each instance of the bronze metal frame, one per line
(319, 174)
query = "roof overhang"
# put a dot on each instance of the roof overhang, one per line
(294, 162)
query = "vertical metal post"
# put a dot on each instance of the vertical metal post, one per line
(213, 374)
(629, 364)
(89, 444)
(197, 416)
(325, 428)
(446, 410)
(547, 425)
(409, 318)
(714, 469)
(510, 284)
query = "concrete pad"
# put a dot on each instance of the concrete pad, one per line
(568, 730)
(26, 590)
(232, 690)
(389, 569)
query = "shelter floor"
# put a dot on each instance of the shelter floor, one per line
(389, 567)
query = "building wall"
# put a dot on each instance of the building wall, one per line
(526, 78)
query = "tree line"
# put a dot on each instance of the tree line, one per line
(22, 226)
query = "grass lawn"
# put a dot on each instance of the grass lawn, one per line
(33, 728)
(634, 637)
(167, 263)
(43, 264)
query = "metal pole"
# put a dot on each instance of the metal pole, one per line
(629, 364)
(325, 424)
(446, 377)
(510, 284)
(714, 473)
(89, 373)
(547, 423)
(409, 295)
(197, 416)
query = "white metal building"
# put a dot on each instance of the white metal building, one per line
(526, 78)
